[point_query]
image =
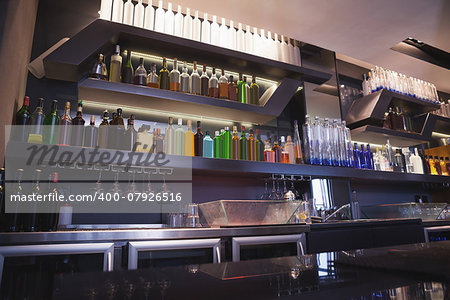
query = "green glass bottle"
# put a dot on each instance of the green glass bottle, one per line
(127, 71)
(164, 79)
(227, 143)
(243, 145)
(218, 145)
(259, 146)
(23, 118)
(242, 95)
(254, 92)
(51, 122)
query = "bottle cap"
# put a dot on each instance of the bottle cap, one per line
(117, 49)
(217, 133)
(180, 121)
(199, 124)
(207, 132)
(26, 101)
(227, 128)
(282, 139)
(170, 120)
(119, 111)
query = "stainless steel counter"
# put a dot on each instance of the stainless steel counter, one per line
(21, 238)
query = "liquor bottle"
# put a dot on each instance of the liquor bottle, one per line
(240, 39)
(363, 158)
(223, 34)
(169, 138)
(223, 86)
(247, 90)
(189, 140)
(426, 166)
(213, 84)
(208, 146)
(252, 146)
(402, 119)
(158, 141)
(241, 93)
(215, 32)
(128, 13)
(227, 141)
(196, 27)
(30, 221)
(128, 71)
(284, 153)
(184, 80)
(130, 135)
(317, 144)
(289, 147)
(297, 144)
(51, 122)
(243, 145)
(99, 70)
(103, 131)
(115, 67)
(179, 138)
(277, 150)
(232, 89)
(443, 167)
(447, 165)
(409, 168)
(369, 158)
(169, 20)
(48, 221)
(116, 132)
(248, 40)
(117, 11)
(164, 81)
(389, 155)
(195, 81)
(78, 130)
(218, 145)
(187, 25)
(14, 217)
(398, 162)
(232, 36)
(178, 23)
(90, 134)
(204, 82)
(308, 140)
(377, 160)
(37, 120)
(259, 146)
(65, 128)
(357, 157)
(174, 77)
(198, 140)
(152, 78)
(23, 117)
(144, 140)
(437, 166)
(140, 75)
(416, 161)
(206, 30)
(269, 154)
(327, 142)
(149, 16)
(254, 92)
(159, 17)
(235, 148)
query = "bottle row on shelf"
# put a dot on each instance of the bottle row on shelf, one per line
(183, 25)
(444, 110)
(397, 119)
(324, 143)
(194, 83)
(380, 78)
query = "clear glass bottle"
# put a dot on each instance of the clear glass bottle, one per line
(308, 140)
(284, 153)
(140, 75)
(115, 67)
(417, 164)
(91, 134)
(398, 162)
(317, 145)
(213, 85)
(277, 150)
(223, 86)
(175, 77)
(184, 79)
(179, 138)
(169, 138)
(153, 78)
(189, 140)
(326, 142)
(99, 70)
(195, 81)
(158, 141)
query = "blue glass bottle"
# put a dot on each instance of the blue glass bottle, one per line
(369, 158)
(208, 146)
(363, 158)
(351, 161)
(357, 156)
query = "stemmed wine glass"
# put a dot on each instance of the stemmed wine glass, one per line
(266, 194)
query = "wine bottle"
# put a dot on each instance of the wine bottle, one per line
(179, 138)
(259, 146)
(103, 131)
(130, 135)
(51, 122)
(213, 85)
(169, 138)
(251, 146)
(30, 221)
(153, 79)
(174, 77)
(37, 120)
(48, 221)
(140, 76)
(243, 145)
(254, 92)
(235, 148)
(127, 71)
(23, 118)
(232, 89)
(91, 134)
(241, 93)
(204, 82)
(78, 129)
(99, 70)
(184, 80)
(195, 81)
(14, 217)
(223, 86)
(198, 140)
(65, 128)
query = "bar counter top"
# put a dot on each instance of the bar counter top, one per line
(381, 273)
